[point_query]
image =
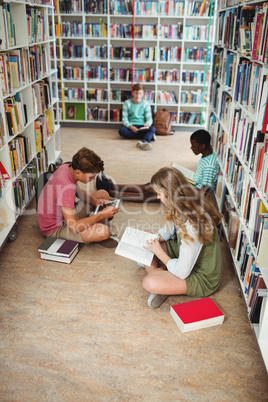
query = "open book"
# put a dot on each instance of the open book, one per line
(131, 245)
(143, 128)
(189, 174)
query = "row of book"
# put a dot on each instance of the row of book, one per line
(16, 114)
(118, 95)
(195, 32)
(248, 240)
(248, 266)
(194, 77)
(74, 6)
(248, 82)
(166, 54)
(20, 151)
(43, 129)
(71, 73)
(190, 118)
(68, 28)
(162, 7)
(170, 54)
(72, 94)
(14, 70)
(95, 30)
(142, 7)
(24, 189)
(166, 97)
(197, 97)
(7, 26)
(74, 51)
(37, 24)
(197, 54)
(138, 75)
(199, 8)
(245, 28)
(118, 30)
(149, 75)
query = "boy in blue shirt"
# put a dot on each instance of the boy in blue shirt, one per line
(136, 114)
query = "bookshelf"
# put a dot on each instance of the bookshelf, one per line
(29, 112)
(171, 56)
(238, 122)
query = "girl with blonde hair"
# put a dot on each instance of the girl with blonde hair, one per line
(187, 256)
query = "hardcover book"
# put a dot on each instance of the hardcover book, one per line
(196, 314)
(58, 250)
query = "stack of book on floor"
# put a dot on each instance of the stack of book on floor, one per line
(58, 250)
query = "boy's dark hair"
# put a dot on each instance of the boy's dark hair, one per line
(138, 87)
(87, 161)
(202, 137)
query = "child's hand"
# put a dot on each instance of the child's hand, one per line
(108, 212)
(100, 201)
(134, 129)
(154, 246)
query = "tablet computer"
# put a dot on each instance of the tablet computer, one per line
(113, 203)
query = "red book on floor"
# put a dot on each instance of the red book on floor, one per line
(196, 314)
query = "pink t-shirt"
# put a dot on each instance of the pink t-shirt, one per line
(59, 191)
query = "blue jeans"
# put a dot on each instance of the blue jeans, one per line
(145, 136)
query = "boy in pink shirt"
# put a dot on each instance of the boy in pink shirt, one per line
(58, 213)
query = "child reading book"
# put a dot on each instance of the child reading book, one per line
(187, 256)
(137, 119)
(205, 177)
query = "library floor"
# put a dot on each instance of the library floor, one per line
(83, 332)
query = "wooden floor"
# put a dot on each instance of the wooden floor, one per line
(83, 332)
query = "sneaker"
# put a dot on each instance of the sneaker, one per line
(154, 138)
(155, 301)
(103, 183)
(172, 132)
(146, 146)
(112, 242)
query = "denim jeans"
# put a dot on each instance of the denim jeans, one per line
(143, 135)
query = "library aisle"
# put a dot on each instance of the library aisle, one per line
(83, 332)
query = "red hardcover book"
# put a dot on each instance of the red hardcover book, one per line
(196, 314)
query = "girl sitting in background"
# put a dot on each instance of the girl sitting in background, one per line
(187, 256)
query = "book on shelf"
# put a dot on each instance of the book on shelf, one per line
(4, 177)
(262, 257)
(2, 131)
(131, 245)
(196, 314)
(59, 250)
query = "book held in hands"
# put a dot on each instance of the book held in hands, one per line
(196, 314)
(59, 250)
(189, 174)
(131, 245)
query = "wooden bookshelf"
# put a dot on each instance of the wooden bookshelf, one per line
(172, 39)
(237, 121)
(29, 123)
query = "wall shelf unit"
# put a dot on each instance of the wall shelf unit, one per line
(166, 42)
(238, 123)
(29, 114)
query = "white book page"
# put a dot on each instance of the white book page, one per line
(131, 245)
(189, 174)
